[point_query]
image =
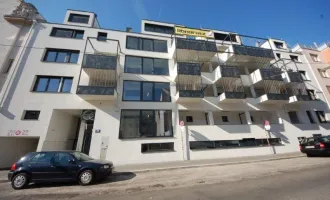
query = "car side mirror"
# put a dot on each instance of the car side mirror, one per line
(72, 161)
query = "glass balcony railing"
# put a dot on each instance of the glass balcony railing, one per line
(235, 95)
(197, 45)
(303, 98)
(95, 90)
(228, 71)
(191, 93)
(271, 74)
(272, 96)
(253, 51)
(100, 62)
(189, 68)
(295, 77)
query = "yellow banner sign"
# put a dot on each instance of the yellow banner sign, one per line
(193, 32)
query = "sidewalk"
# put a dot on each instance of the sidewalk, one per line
(203, 163)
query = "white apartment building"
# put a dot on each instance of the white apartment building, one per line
(168, 93)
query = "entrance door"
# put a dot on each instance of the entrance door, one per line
(87, 137)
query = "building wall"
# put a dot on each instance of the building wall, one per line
(325, 55)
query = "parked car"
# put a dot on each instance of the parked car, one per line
(58, 166)
(315, 146)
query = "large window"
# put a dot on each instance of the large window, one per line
(310, 117)
(141, 65)
(145, 123)
(146, 91)
(222, 144)
(146, 44)
(53, 84)
(67, 33)
(293, 117)
(158, 28)
(76, 18)
(321, 116)
(61, 56)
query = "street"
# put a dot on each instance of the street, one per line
(296, 178)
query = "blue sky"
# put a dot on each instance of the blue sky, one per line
(303, 21)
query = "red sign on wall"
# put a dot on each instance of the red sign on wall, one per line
(18, 132)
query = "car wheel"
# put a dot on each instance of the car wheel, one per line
(19, 181)
(86, 177)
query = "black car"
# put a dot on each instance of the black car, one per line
(58, 166)
(315, 146)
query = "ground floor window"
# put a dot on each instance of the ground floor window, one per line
(145, 123)
(157, 147)
(246, 142)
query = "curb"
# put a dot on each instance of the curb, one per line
(213, 164)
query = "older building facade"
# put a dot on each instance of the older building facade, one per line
(168, 93)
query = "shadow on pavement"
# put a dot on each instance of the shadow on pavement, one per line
(115, 177)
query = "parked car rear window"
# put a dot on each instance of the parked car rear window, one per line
(81, 156)
(325, 139)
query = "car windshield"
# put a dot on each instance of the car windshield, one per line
(81, 156)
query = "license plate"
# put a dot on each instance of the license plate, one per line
(106, 166)
(309, 147)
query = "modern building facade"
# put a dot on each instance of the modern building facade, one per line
(168, 93)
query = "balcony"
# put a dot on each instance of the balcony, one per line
(189, 68)
(93, 61)
(219, 73)
(193, 50)
(247, 55)
(189, 95)
(273, 98)
(96, 92)
(231, 97)
(299, 99)
(292, 77)
(266, 74)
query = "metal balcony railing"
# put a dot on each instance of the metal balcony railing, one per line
(229, 71)
(95, 90)
(295, 77)
(189, 68)
(272, 96)
(303, 98)
(191, 93)
(253, 51)
(100, 62)
(197, 45)
(271, 74)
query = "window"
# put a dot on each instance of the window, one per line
(189, 119)
(8, 66)
(146, 91)
(323, 73)
(145, 123)
(311, 94)
(76, 18)
(143, 65)
(31, 115)
(67, 33)
(62, 158)
(102, 36)
(225, 37)
(314, 57)
(279, 45)
(157, 147)
(310, 117)
(224, 118)
(304, 75)
(146, 44)
(53, 84)
(278, 55)
(294, 58)
(321, 116)
(246, 142)
(293, 117)
(61, 56)
(252, 119)
(158, 28)
(42, 158)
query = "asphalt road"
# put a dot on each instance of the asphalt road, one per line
(298, 185)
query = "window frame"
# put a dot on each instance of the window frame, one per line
(140, 120)
(140, 43)
(314, 56)
(59, 88)
(99, 37)
(298, 60)
(298, 120)
(28, 119)
(303, 74)
(153, 91)
(277, 44)
(81, 15)
(73, 34)
(142, 65)
(310, 117)
(48, 50)
(165, 29)
(171, 149)
(317, 112)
